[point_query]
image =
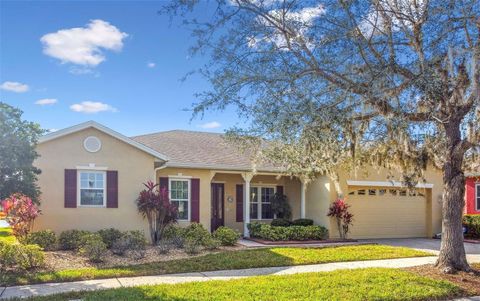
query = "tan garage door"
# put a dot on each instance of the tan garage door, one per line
(387, 213)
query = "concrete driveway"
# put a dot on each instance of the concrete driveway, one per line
(429, 245)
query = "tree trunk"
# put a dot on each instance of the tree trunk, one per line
(452, 252)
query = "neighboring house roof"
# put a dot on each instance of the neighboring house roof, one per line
(192, 149)
(106, 130)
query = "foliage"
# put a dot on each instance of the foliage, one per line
(131, 242)
(228, 260)
(46, 239)
(211, 243)
(197, 234)
(344, 219)
(17, 153)
(164, 246)
(280, 222)
(6, 235)
(19, 256)
(340, 86)
(226, 236)
(472, 222)
(280, 206)
(268, 232)
(154, 205)
(109, 236)
(93, 247)
(302, 222)
(192, 246)
(71, 239)
(21, 213)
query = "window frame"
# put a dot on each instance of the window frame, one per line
(477, 196)
(259, 201)
(79, 187)
(189, 199)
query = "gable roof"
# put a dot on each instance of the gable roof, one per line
(106, 130)
(192, 149)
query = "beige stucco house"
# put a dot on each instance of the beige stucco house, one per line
(91, 176)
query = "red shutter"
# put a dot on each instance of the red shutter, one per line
(163, 181)
(280, 189)
(239, 201)
(112, 189)
(70, 188)
(195, 200)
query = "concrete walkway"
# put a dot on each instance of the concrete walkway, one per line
(89, 285)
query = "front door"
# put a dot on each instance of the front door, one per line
(218, 192)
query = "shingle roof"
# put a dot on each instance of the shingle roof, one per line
(199, 150)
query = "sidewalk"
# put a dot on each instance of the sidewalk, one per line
(88, 285)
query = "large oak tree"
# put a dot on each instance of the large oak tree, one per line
(342, 84)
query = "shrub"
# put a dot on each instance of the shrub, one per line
(211, 243)
(45, 239)
(132, 242)
(226, 236)
(268, 232)
(280, 206)
(109, 236)
(280, 222)
(472, 223)
(302, 222)
(153, 204)
(71, 239)
(21, 213)
(192, 246)
(339, 211)
(93, 247)
(196, 232)
(18, 256)
(164, 246)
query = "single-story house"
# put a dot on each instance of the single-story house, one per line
(92, 175)
(472, 193)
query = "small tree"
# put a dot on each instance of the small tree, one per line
(154, 205)
(280, 206)
(339, 210)
(21, 213)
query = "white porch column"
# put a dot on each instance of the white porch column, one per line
(303, 187)
(247, 177)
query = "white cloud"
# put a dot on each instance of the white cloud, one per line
(210, 125)
(83, 45)
(14, 87)
(52, 130)
(90, 107)
(151, 65)
(46, 101)
(303, 18)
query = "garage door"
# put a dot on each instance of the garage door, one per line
(380, 212)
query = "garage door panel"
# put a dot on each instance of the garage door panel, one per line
(386, 215)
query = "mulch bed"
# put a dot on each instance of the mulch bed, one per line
(470, 282)
(297, 242)
(64, 260)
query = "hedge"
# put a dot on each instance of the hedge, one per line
(274, 233)
(472, 223)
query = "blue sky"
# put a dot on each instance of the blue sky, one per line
(123, 60)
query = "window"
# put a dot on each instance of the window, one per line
(180, 196)
(260, 205)
(372, 192)
(92, 188)
(382, 191)
(361, 192)
(393, 191)
(477, 189)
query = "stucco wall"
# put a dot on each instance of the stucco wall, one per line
(317, 200)
(134, 168)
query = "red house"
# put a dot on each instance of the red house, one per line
(472, 194)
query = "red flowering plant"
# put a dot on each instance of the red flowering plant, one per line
(154, 204)
(20, 212)
(339, 211)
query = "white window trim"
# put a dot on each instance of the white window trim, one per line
(79, 200)
(476, 197)
(259, 200)
(189, 202)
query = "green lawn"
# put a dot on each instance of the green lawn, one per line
(6, 235)
(360, 284)
(265, 257)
